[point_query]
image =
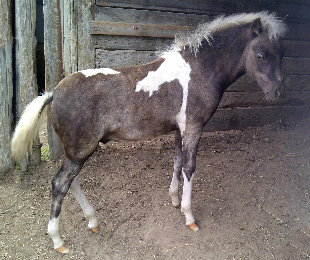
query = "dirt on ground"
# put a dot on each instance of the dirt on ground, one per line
(250, 198)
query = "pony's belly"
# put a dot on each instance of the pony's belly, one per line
(136, 134)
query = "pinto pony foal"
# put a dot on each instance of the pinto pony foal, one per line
(178, 92)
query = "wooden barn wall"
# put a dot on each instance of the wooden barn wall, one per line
(130, 32)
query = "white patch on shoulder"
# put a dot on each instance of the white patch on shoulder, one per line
(92, 72)
(174, 67)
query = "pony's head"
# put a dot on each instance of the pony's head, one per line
(263, 56)
(263, 52)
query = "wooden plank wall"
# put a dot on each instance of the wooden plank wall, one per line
(130, 32)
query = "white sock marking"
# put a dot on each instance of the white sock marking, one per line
(87, 208)
(92, 72)
(186, 204)
(53, 231)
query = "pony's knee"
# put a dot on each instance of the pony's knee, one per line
(56, 180)
(189, 171)
(189, 167)
(63, 179)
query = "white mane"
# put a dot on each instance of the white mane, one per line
(270, 22)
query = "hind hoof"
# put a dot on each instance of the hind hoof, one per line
(62, 250)
(95, 229)
(177, 206)
(193, 227)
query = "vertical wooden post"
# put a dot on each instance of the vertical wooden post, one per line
(85, 45)
(6, 84)
(70, 48)
(78, 48)
(53, 63)
(26, 82)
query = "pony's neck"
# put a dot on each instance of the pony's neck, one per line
(223, 61)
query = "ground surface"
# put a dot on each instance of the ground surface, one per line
(251, 200)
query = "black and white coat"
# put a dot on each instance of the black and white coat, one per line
(178, 92)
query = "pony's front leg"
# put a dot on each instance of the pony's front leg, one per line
(190, 145)
(60, 186)
(174, 185)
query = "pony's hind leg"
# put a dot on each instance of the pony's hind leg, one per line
(88, 209)
(174, 185)
(60, 186)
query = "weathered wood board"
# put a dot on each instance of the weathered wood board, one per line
(84, 10)
(26, 87)
(108, 42)
(120, 58)
(136, 29)
(6, 85)
(53, 64)
(296, 66)
(69, 36)
(147, 16)
(297, 49)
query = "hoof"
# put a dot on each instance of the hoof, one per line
(193, 227)
(62, 250)
(95, 229)
(177, 206)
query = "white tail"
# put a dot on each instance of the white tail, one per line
(28, 126)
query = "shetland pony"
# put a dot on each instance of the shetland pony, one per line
(178, 92)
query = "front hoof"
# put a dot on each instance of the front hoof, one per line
(95, 229)
(193, 227)
(62, 250)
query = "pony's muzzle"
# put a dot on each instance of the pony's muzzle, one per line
(279, 91)
(275, 91)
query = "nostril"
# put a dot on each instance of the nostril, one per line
(277, 93)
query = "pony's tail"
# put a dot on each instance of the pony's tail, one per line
(28, 126)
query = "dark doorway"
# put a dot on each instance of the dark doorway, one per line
(40, 61)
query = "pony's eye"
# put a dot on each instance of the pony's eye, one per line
(259, 55)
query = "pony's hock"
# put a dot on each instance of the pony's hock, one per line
(178, 92)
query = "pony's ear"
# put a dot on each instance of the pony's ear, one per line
(256, 27)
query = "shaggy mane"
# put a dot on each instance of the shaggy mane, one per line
(270, 22)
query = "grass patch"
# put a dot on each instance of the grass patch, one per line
(45, 154)
(17, 166)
